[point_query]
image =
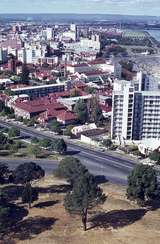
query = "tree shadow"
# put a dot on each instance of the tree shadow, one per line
(100, 179)
(54, 189)
(7, 240)
(27, 228)
(15, 215)
(117, 218)
(152, 205)
(13, 192)
(72, 152)
(45, 204)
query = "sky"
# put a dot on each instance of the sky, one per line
(131, 7)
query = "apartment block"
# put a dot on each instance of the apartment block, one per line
(136, 110)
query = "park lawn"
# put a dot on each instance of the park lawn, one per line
(116, 222)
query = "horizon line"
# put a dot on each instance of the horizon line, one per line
(140, 15)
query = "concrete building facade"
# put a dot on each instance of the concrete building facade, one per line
(135, 112)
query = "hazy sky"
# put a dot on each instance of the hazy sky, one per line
(142, 7)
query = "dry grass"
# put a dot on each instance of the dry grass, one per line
(116, 222)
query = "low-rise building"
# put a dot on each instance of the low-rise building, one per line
(39, 91)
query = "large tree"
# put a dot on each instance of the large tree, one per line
(142, 184)
(25, 174)
(59, 146)
(107, 142)
(81, 111)
(84, 195)
(70, 168)
(45, 143)
(155, 156)
(13, 132)
(95, 111)
(55, 127)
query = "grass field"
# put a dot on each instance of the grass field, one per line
(116, 222)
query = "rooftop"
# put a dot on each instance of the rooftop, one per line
(37, 87)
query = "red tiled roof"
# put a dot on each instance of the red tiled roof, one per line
(106, 108)
(39, 105)
(59, 94)
(95, 72)
(97, 61)
(47, 115)
(66, 115)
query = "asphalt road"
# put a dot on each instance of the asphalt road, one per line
(114, 168)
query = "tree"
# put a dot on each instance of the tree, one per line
(45, 143)
(74, 93)
(8, 92)
(2, 105)
(13, 132)
(68, 130)
(142, 184)
(90, 90)
(31, 122)
(25, 174)
(107, 143)
(35, 140)
(155, 156)
(24, 78)
(55, 127)
(34, 150)
(84, 195)
(81, 111)
(3, 172)
(3, 139)
(59, 146)
(70, 168)
(7, 111)
(29, 194)
(95, 111)
(4, 211)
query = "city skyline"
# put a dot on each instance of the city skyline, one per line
(126, 7)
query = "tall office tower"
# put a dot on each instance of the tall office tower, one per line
(135, 111)
(73, 27)
(49, 33)
(3, 55)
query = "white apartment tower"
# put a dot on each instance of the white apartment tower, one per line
(136, 109)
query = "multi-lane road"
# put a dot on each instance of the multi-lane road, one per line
(114, 168)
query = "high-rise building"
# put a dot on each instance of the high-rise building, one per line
(3, 55)
(49, 33)
(136, 109)
(73, 27)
